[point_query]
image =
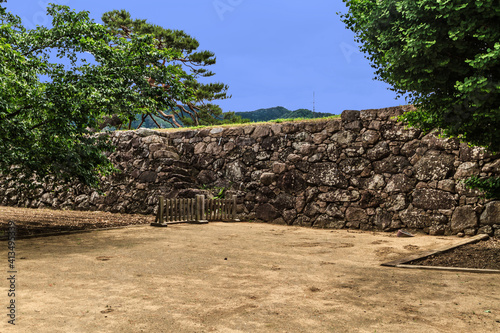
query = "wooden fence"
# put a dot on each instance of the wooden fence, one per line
(194, 210)
(220, 209)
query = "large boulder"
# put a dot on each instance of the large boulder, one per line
(349, 115)
(434, 166)
(289, 216)
(433, 199)
(292, 181)
(354, 166)
(235, 171)
(380, 150)
(354, 214)
(339, 195)
(267, 178)
(148, 177)
(466, 169)
(414, 218)
(343, 137)
(434, 142)
(266, 212)
(261, 131)
(400, 183)
(325, 221)
(326, 174)
(356, 218)
(206, 177)
(463, 218)
(370, 137)
(284, 201)
(391, 164)
(491, 214)
(383, 219)
(399, 133)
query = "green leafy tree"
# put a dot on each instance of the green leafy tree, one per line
(48, 107)
(201, 111)
(443, 55)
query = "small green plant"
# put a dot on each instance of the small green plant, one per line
(490, 186)
(221, 194)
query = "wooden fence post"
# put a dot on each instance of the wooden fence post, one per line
(200, 209)
(160, 209)
(234, 209)
(159, 215)
(197, 209)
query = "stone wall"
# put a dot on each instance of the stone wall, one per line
(364, 171)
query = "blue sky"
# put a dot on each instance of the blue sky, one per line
(269, 52)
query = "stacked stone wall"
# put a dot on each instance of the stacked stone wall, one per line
(363, 171)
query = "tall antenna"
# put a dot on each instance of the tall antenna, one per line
(314, 102)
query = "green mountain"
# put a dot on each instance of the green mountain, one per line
(280, 112)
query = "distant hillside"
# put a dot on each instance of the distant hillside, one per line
(280, 112)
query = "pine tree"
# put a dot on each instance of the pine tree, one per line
(198, 111)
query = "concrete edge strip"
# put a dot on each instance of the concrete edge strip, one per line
(165, 224)
(70, 232)
(451, 269)
(401, 263)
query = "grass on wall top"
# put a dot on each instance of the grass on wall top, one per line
(274, 121)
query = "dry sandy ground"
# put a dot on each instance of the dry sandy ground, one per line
(241, 277)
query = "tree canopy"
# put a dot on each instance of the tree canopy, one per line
(200, 111)
(48, 108)
(443, 55)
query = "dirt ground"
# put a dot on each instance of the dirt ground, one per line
(33, 222)
(241, 277)
(37, 222)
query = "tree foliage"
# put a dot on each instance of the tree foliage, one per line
(490, 186)
(443, 55)
(201, 111)
(48, 108)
